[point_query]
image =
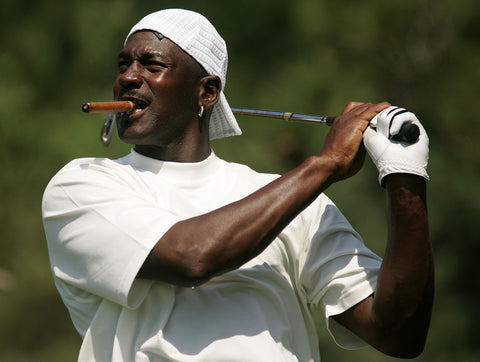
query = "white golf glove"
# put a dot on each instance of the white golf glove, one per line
(392, 156)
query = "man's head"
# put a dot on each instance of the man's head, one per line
(168, 87)
(201, 45)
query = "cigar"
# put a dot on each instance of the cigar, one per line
(108, 107)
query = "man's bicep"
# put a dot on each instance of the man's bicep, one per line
(358, 319)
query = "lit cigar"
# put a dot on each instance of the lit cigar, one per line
(108, 107)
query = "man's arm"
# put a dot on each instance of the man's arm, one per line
(396, 318)
(196, 249)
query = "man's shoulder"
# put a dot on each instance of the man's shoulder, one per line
(91, 163)
(243, 167)
(247, 172)
(87, 168)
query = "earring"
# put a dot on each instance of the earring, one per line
(200, 112)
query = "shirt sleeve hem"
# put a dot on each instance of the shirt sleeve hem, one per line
(341, 335)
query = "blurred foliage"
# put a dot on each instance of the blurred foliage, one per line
(304, 56)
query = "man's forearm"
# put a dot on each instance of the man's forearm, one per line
(404, 296)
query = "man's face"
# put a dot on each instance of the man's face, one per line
(164, 82)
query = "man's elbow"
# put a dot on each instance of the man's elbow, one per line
(194, 275)
(407, 350)
(407, 343)
(182, 269)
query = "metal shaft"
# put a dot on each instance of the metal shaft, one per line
(408, 133)
(287, 116)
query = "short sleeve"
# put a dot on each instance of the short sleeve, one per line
(100, 226)
(338, 270)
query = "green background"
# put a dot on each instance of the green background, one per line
(291, 55)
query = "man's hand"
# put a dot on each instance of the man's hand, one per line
(392, 156)
(343, 144)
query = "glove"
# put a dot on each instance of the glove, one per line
(391, 156)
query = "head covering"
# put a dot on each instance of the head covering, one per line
(197, 37)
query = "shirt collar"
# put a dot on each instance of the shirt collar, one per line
(174, 170)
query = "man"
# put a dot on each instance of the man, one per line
(172, 254)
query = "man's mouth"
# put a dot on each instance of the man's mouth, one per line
(135, 111)
(140, 105)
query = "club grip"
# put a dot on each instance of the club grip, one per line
(409, 133)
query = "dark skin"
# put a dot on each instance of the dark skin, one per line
(151, 73)
(395, 319)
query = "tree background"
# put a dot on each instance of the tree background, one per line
(295, 55)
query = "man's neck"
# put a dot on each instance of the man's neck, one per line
(176, 153)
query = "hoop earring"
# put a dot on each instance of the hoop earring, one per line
(200, 112)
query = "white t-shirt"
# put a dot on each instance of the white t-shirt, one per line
(102, 217)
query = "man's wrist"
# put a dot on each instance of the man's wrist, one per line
(415, 184)
(323, 168)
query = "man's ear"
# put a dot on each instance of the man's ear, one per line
(210, 88)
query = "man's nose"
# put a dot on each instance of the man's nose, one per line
(131, 76)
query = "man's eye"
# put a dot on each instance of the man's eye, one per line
(123, 66)
(154, 66)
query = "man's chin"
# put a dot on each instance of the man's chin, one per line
(129, 137)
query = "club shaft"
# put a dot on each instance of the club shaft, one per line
(287, 116)
(408, 133)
